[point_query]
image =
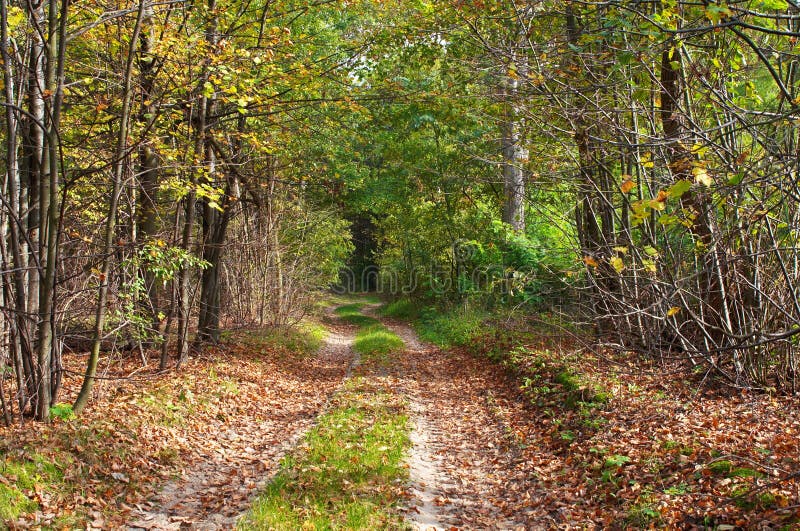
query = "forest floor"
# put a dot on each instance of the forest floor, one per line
(513, 430)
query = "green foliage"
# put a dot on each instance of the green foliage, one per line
(62, 411)
(644, 513)
(744, 472)
(616, 461)
(722, 466)
(164, 261)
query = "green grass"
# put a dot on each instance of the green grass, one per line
(348, 473)
(377, 341)
(23, 477)
(305, 338)
(451, 328)
(351, 313)
(401, 309)
(373, 340)
(722, 467)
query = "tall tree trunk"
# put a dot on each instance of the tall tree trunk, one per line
(111, 221)
(512, 150)
(21, 341)
(215, 226)
(201, 150)
(148, 171)
(679, 140)
(49, 205)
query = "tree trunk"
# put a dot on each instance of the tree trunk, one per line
(111, 221)
(148, 171)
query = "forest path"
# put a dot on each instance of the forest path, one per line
(462, 463)
(219, 484)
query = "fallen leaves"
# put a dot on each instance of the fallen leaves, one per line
(205, 437)
(640, 460)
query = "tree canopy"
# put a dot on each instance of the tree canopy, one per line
(173, 168)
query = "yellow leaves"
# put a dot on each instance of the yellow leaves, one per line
(536, 78)
(617, 263)
(673, 311)
(647, 160)
(15, 17)
(699, 150)
(659, 203)
(701, 176)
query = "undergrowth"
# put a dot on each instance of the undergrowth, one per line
(305, 338)
(457, 327)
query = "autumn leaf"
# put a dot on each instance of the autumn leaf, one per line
(701, 176)
(627, 184)
(617, 263)
(673, 311)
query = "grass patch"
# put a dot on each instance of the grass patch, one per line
(377, 342)
(401, 309)
(722, 467)
(349, 309)
(373, 341)
(23, 477)
(351, 313)
(452, 328)
(349, 472)
(644, 513)
(305, 338)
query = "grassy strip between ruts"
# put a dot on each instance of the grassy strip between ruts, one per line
(373, 341)
(349, 472)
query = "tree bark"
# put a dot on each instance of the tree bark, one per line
(111, 221)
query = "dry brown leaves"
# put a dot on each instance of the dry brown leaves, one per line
(210, 433)
(644, 459)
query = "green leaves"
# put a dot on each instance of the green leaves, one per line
(774, 5)
(677, 190)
